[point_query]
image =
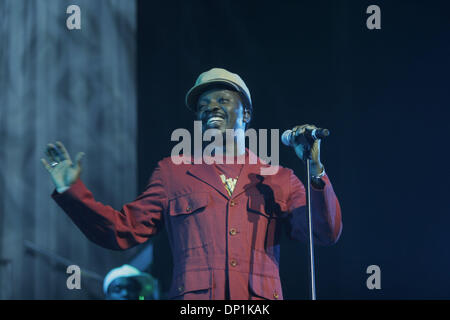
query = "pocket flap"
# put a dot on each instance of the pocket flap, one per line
(265, 287)
(187, 204)
(190, 281)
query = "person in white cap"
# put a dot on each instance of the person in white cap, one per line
(129, 283)
(223, 220)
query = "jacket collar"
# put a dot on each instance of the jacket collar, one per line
(250, 175)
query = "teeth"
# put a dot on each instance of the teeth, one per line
(212, 119)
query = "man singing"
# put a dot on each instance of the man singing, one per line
(223, 220)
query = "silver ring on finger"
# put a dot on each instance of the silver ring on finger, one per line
(54, 164)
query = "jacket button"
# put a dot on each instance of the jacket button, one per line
(188, 209)
(233, 231)
(180, 288)
(275, 295)
(233, 263)
(232, 203)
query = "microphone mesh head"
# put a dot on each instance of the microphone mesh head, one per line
(286, 137)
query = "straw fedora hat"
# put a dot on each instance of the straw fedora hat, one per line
(217, 77)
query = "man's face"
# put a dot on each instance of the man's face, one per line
(124, 289)
(222, 109)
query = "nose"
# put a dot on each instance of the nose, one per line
(211, 108)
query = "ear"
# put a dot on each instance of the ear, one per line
(247, 115)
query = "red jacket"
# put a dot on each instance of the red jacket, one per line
(212, 235)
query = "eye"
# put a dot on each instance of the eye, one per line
(224, 100)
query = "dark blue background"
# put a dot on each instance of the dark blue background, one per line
(384, 95)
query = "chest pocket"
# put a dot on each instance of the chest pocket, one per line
(188, 204)
(190, 222)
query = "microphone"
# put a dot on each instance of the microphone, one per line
(288, 138)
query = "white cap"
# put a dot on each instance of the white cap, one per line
(124, 271)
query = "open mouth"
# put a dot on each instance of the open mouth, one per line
(214, 119)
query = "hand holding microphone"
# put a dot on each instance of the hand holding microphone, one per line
(305, 140)
(289, 136)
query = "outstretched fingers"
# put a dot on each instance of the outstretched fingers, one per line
(78, 158)
(52, 153)
(46, 165)
(63, 151)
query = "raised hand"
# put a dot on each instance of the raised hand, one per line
(61, 168)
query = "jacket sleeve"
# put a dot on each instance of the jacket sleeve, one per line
(135, 223)
(326, 212)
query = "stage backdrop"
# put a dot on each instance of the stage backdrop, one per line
(79, 87)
